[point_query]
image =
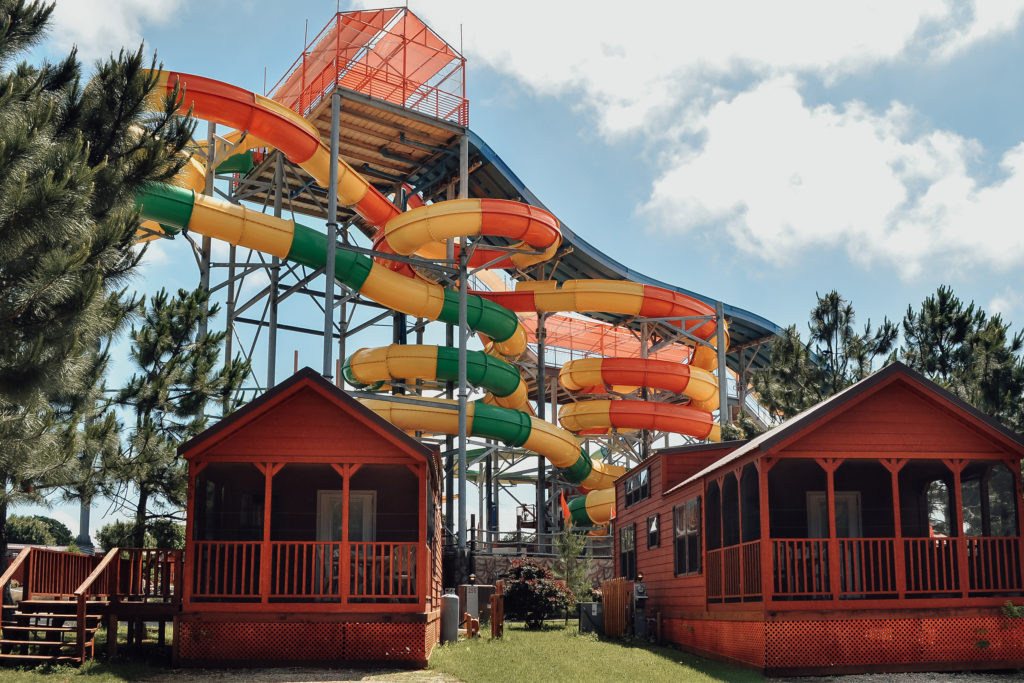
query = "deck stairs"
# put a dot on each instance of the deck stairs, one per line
(46, 631)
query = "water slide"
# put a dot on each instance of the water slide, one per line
(420, 230)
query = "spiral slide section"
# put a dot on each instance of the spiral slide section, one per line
(286, 239)
(371, 368)
(596, 375)
(423, 230)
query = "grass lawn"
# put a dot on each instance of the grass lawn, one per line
(557, 653)
(560, 653)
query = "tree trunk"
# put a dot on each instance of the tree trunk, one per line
(8, 599)
(139, 532)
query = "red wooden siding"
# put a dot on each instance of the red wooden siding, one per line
(304, 425)
(896, 422)
(666, 592)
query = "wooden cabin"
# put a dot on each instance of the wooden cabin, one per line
(312, 535)
(878, 531)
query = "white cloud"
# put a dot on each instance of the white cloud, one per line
(784, 178)
(631, 63)
(100, 27)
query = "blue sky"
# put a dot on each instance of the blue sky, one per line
(754, 152)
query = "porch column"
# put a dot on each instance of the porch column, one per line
(957, 467)
(830, 465)
(1018, 488)
(269, 470)
(422, 564)
(767, 556)
(188, 570)
(899, 554)
(738, 474)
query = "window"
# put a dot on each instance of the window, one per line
(627, 551)
(653, 532)
(638, 487)
(687, 537)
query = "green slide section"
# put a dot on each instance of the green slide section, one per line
(482, 370)
(171, 205)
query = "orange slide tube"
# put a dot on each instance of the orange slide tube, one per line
(623, 375)
(298, 139)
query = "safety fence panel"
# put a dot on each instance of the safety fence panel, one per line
(226, 570)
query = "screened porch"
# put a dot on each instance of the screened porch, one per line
(319, 537)
(868, 530)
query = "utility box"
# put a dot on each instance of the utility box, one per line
(591, 617)
(449, 618)
(476, 599)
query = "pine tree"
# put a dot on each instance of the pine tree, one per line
(800, 375)
(71, 160)
(179, 377)
(90, 438)
(960, 347)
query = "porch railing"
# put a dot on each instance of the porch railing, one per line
(734, 573)
(868, 569)
(801, 568)
(226, 570)
(304, 571)
(993, 564)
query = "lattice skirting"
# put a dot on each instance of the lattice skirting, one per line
(871, 644)
(200, 641)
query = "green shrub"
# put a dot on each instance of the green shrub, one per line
(532, 594)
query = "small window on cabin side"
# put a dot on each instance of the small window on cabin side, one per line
(627, 551)
(686, 523)
(653, 531)
(638, 486)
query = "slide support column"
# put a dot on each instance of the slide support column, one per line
(723, 376)
(207, 243)
(542, 399)
(275, 275)
(463, 340)
(332, 238)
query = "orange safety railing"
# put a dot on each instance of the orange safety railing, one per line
(932, 565)
(226, 569)
(149, 574)
(386, 54)
(383, 571)
(305, 569)
(801, 567)
(57, 573)
(734, 572)
(867, 567)
(993, 564)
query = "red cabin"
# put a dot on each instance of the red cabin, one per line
(878, 531)
(313, 534)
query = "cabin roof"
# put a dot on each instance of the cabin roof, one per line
(306, 379)
(890, 374)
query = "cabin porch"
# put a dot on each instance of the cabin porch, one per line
(880, 533)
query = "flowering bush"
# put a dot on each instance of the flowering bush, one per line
(531, 594)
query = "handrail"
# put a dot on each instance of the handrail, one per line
(80, 595)
(13, 567)
(91, 579)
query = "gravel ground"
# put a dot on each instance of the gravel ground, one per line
(315, 675)
(927, 677)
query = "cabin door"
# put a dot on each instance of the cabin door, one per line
(362, 508)
(848, 525)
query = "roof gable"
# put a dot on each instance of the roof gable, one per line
(937, 407)
(304, 417)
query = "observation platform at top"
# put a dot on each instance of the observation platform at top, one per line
(403, 112)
